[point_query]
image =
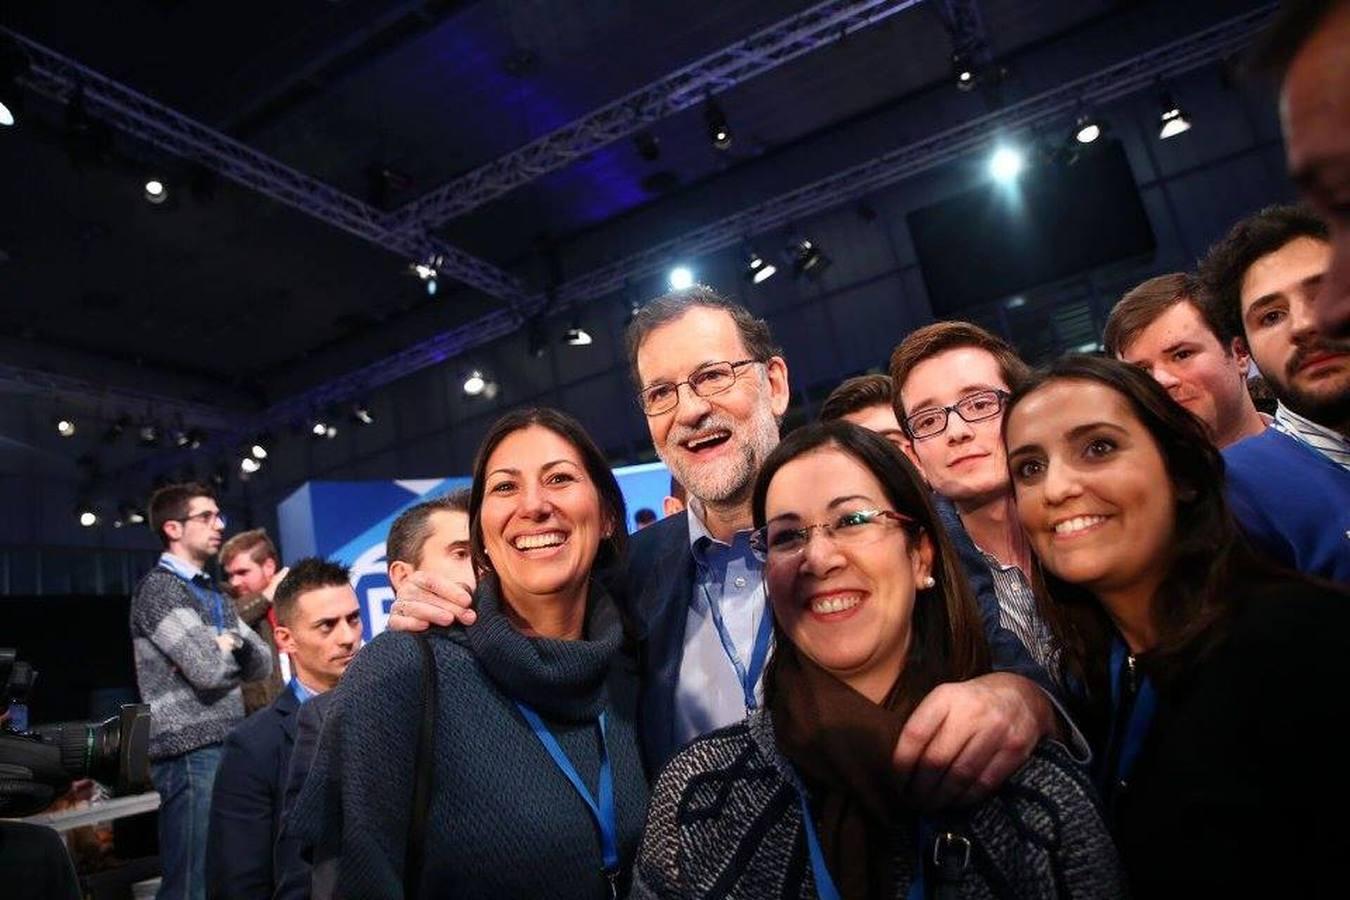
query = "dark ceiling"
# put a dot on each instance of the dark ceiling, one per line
(221, 285)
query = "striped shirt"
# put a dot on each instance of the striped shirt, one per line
(1017, 612)
(1326, 441)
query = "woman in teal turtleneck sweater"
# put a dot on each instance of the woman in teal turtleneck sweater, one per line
(538, 784)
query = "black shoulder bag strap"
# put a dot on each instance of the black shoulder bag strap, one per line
(422, 765)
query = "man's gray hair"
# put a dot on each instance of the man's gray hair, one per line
(755, 334)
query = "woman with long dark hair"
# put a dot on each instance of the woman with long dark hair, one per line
(872, 613)
(1206, 678)
(536, 785)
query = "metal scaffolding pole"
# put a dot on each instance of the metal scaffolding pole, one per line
(1048, 108)
(128, 110)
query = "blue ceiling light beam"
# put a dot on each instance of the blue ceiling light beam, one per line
(821, 25)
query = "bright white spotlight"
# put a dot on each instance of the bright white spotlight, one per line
(1006, 164)
(88, 518)
(474, 384)
(1172, 123)
(1088, 130)
(764, 273)
(681, 277)
(65, 427)
(319, 429)
(249, 465)
(1173, 120)
(258, 451)
(6, 117)
(155, 191)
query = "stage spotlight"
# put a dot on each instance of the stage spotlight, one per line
(322, 429)
(259, 450)
(119, 425)
(361, 414)
(13, 64)
(758, 269)
(1087, 129)
(87, 517)
(681, 277)
(964, 71)
(65, 427)
(475, 383)
(807, 258)
(431, 287)
(576, 336)
(648, 147)
(1173, 120)
(156, 191)
(148, 434)
(719, 132)
(130, 514)
(1006, 164)
(192, 438)
(248, 465)
(631, 309)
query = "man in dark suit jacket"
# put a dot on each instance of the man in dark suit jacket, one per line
(319, 625)
(713, 387)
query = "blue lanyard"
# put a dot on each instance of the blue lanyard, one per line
(212, 600)
(603, 812)
(748, 679)
(1141, 715)
(825, 888)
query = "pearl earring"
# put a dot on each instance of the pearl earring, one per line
(929, 582)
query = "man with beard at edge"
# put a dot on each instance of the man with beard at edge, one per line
(1290, 485)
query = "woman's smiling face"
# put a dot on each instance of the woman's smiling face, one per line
(846, 602)
(1093, 491)
(541, 517)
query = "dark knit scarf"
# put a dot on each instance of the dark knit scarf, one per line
(561, 680)
(841, 745)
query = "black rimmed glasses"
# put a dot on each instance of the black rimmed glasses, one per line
(206, 517)
(977, 407)
(781, 541)
(705, 381)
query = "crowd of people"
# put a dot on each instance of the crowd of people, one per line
(980, 631)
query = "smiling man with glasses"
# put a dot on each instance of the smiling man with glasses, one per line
(950, 381)
(713, 387)
(192, 653)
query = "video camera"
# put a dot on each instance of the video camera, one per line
(37, 765)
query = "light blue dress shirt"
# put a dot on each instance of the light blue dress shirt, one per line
(708, 694)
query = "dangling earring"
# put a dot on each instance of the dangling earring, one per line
(928, 583)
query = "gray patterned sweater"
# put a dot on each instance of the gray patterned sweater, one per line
(192, 685)
(724, 821)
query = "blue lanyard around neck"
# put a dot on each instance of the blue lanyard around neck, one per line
(748, 678)
(602, 812)
(825, 888)
(212, 600)
(1141, 714)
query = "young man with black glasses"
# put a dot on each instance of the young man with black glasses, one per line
(192, 653)
(950, 381)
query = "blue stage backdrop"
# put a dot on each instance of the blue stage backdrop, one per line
(347, 521)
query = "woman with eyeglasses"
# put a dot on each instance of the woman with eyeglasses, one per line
(1208, 681)
(800, 800)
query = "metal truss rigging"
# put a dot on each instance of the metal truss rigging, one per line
(1050, 108)
(782, 42)
(130, 111)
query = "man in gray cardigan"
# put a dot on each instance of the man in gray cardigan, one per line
(192, 653)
